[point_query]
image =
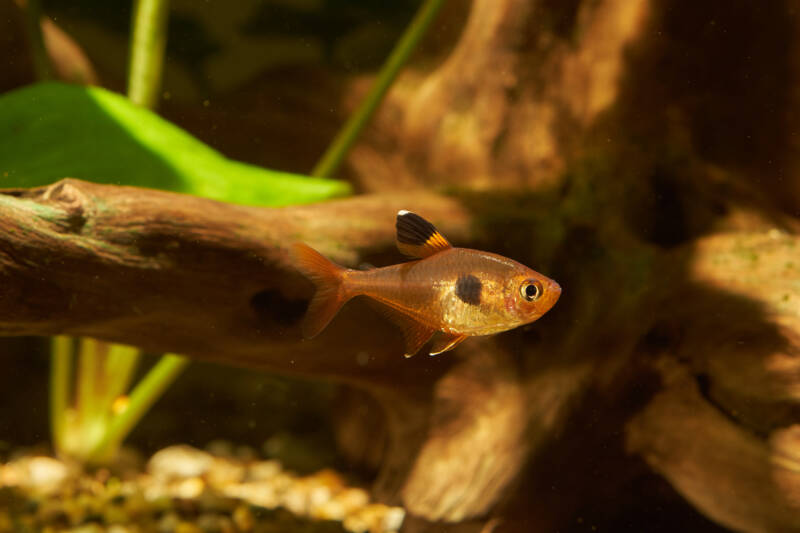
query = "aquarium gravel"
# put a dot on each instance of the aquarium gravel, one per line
(184, 490)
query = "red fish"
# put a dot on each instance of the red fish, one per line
(455, 291)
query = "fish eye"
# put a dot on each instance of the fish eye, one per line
(531, 289)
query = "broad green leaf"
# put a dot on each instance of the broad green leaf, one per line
(50, 131)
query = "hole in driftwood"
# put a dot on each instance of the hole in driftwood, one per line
(271, 305)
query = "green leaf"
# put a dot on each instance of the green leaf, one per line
(50, 131)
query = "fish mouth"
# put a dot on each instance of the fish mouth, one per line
(555, 291)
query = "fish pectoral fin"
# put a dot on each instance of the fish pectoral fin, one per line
(415, 333)
(446, 342)
(416, 237)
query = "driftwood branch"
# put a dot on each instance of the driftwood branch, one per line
(733, 476)
(178, 273)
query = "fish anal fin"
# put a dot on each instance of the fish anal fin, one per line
(416, 237)
(415, 333)
(328, 278)
(446, 342)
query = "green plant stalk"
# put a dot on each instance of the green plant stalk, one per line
(143, 396)
(338, 149)
(120, 365)
(33, 23)
(62, 354)
(89, 376)
(148, 42)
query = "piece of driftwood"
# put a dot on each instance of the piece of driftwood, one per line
(732, 475)
(724, 429)
(668, 225)
(183, 270)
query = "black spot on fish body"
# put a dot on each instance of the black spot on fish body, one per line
(468, 289)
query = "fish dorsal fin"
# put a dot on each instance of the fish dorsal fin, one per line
(417, 237)
(415, 333)
(446, 342)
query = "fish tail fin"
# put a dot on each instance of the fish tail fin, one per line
(328, 277)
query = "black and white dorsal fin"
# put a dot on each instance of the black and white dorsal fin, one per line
(417, 237)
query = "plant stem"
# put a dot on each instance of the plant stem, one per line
(89, 374)
(120, 365)
(144, 395)
(62, 351)
(33, 21)
(148, 42)
(338, 149)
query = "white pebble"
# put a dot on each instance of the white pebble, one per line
(188, 489)
(40, 473)
(263, 470)
(393, 519)
(260, 494)
(179, 461)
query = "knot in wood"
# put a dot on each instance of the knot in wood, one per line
(69, 199)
